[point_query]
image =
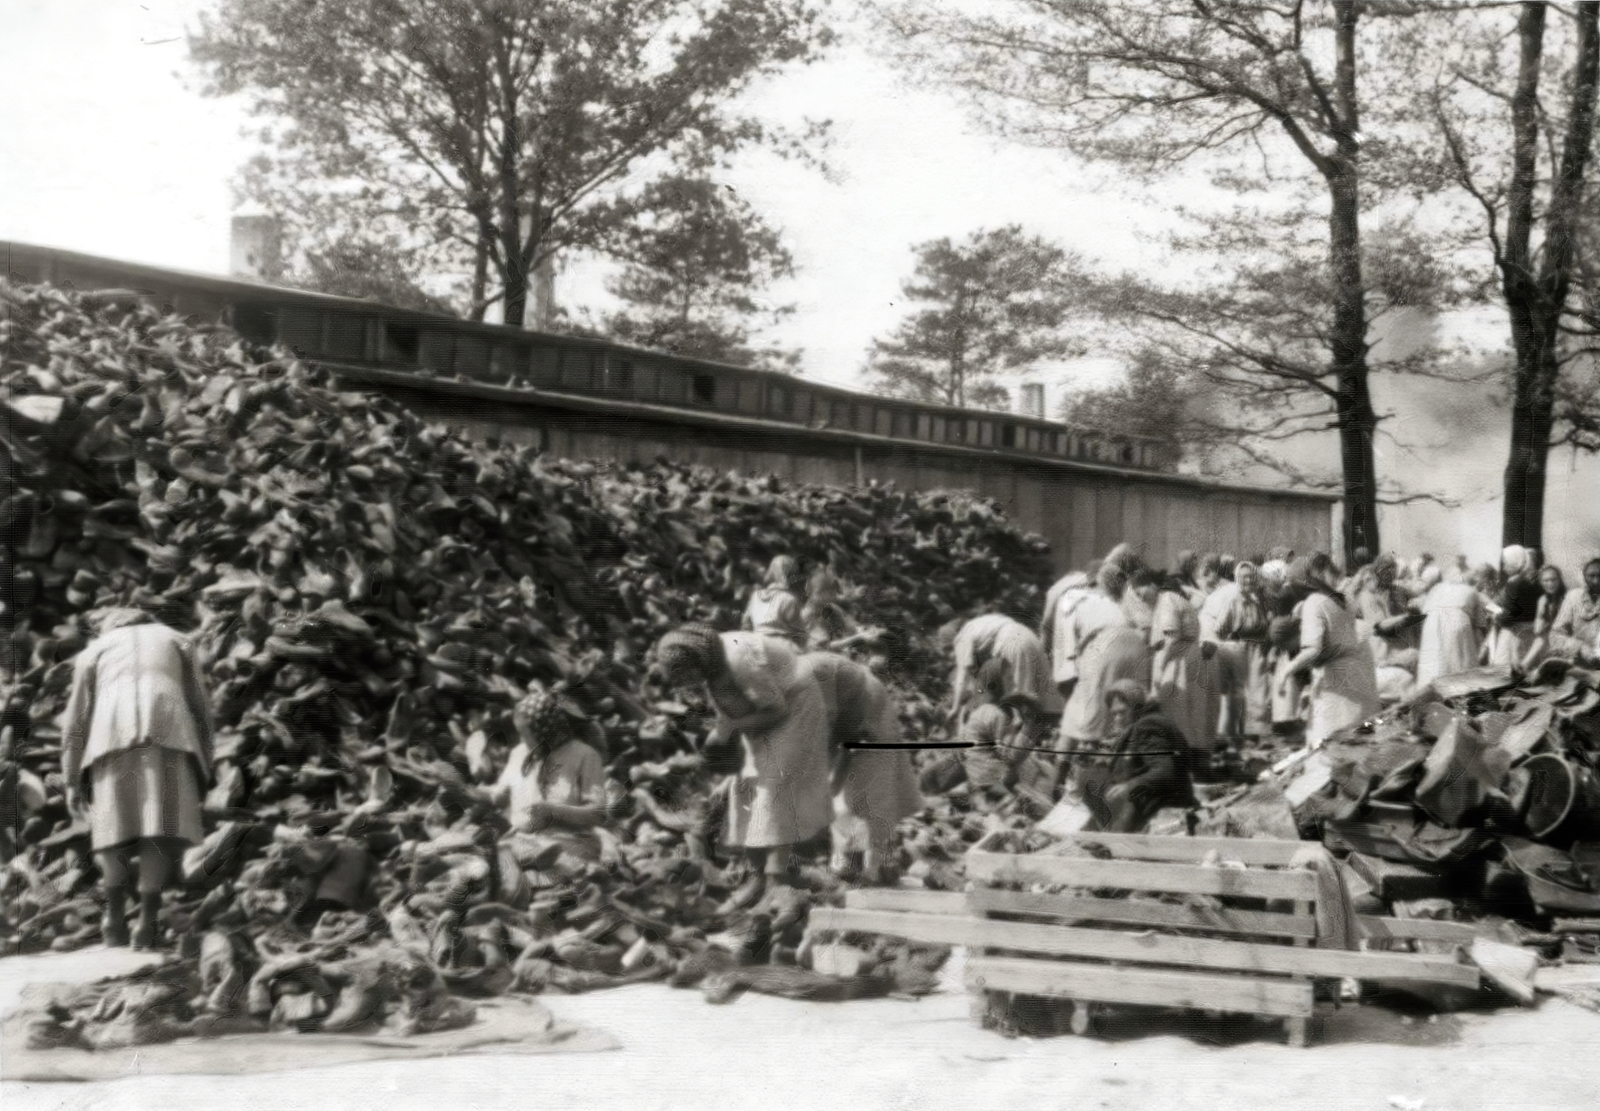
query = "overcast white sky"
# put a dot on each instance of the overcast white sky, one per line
(107, 147)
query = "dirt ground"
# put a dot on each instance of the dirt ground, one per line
(681, 1052)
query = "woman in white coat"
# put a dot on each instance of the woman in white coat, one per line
(136, 739)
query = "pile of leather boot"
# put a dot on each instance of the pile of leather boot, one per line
(370, 595)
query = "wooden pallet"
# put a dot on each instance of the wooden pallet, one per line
(1089, 949)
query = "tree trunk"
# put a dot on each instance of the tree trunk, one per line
(1524, 477)
(1348, 340)
(1536, 303)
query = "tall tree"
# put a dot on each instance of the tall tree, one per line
(1522, 157)
(504, 130)
(1255, 92)
(996, 304)
(1234, 365)
(696, 263)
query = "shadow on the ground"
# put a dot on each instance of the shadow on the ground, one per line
(1396, 1022)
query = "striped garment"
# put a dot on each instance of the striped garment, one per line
(147, 791)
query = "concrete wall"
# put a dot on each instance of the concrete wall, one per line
(1083, 513)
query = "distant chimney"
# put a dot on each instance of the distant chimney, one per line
(1033, 399)
(539, 310)
(540, 314)
(256, 248)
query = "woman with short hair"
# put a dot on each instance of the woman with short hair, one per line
(136, 738)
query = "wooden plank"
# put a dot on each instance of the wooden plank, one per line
(1147, 947)
(1144, 846)
(1395, 881)
(906, 899)
(1102, 983)
(1082, 908)
(1430, 929)
(1140, 875)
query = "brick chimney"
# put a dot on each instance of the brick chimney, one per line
(256, 247)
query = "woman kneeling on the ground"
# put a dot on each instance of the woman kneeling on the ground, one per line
(1149, 765)
(137, 731)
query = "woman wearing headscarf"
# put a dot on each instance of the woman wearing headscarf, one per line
(1149, 764)
(553, 784)
(873, 791)
(1344, 685)
(760, 688)
(995, 636)
(775, 607)
(1183, 671)
(136, 736)
(828, 627)
(1383, 614)
(1235, 618)
(1552, 593)
(1453, 624)
(1139, 611)
(1099, 648)
(1518, 604)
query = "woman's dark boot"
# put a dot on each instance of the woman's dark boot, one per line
(148, 933)
(114, 926)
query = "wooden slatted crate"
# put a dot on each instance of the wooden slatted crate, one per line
(1243, 941)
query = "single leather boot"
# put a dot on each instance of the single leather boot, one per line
(148, 933)
(114, 926)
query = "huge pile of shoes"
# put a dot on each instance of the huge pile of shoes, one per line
(372, 594)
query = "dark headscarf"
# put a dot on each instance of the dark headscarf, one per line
(691, 647)
(1302, 574)
(1131, 692)
(1113, 580)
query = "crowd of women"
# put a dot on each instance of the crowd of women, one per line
(1220, 650)
(1143, 673)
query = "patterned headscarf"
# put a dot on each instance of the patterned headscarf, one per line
(547, 721)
